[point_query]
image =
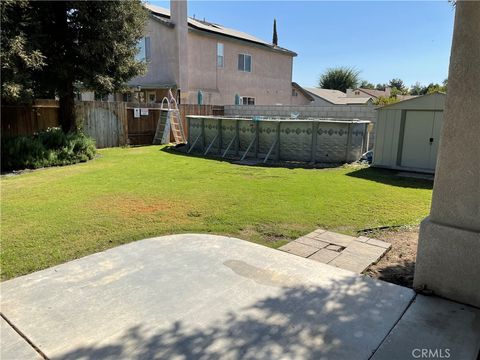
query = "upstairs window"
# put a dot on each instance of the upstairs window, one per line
(143, 46)
(248, 100)
(220, 58)
(244, 62)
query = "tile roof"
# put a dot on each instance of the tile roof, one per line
(337, 97)
(163, 13)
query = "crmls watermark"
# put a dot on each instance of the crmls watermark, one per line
(431, 353)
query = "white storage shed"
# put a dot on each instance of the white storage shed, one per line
(408, 132)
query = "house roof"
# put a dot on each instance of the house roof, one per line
(371, 92)
(303, 91)
(337, 97)
(162, 14)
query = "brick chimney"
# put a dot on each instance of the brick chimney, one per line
(388, 91)
(178, 15)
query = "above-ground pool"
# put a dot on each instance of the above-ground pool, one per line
(309, 140)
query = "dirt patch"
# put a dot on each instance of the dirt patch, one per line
(274, 235)
(129, 206)
(398, 264)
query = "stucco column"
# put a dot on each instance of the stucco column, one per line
(448, 259)
(179, 16)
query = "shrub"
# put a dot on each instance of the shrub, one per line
(51, 147)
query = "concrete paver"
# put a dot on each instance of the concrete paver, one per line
(298, 249)
(312, 242)
(354, 254)
(379, 243)
(334, 247)
(358, 256)
(433, 328)
(335, 238)
(324, 255)
(201, 296)
(363, 239)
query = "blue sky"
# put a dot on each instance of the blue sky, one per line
(385, 40)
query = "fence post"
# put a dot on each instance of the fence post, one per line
(257, 135)
(277, 152)
(349, 141)
(203, 134)
(220, 137)
(189, 138)
(314, 141)
(237, 136)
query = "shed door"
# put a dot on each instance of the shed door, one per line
(416, 139)
(437, 127)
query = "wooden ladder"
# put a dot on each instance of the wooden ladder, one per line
(173, 123)
(176, 126)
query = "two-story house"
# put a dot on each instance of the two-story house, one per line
(211, 64)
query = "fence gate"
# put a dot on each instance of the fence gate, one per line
(104, 121)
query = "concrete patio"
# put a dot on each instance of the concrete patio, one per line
(205, 296)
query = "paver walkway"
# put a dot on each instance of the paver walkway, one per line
(212, 297)
(343, 251)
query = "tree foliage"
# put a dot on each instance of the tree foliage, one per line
(88, 43)
(275, 35)
(418, 89)
(398, 84)
(20, 54)
(367, 85)
(385, 100)
(339, 78)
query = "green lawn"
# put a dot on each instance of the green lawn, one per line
(54, 215)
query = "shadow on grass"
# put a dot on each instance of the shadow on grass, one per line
(341, 318)
(390, 177)
(249, 161)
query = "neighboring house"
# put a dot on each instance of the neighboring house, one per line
(408, 133)
(375, 94)
(208, 63)
(368, 93)
(326, 97)
(300, 96)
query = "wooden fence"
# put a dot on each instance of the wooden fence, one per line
(26, 120)
(141, 130)
(109, 123)
(103, 121)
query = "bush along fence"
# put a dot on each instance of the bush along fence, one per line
(50, 147)
(110, 124)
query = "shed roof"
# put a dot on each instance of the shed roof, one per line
(162, 14)
(433, 101)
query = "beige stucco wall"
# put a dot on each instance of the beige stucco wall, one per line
(163, 65)
(300, 99)
(269, 82)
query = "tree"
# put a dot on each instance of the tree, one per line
(20, 56)
(434, 87)
(385, 100)
(416, 89)
(275, 36)
(88, 43)
(367, 85)
(339, 78)
(381, 87)
(398, 84)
